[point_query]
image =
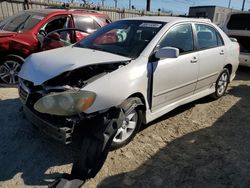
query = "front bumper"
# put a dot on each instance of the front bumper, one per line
(62, 133)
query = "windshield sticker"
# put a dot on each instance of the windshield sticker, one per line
(153, 25)
(37, 17)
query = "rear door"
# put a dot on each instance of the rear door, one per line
(211, 55)
(175, 78)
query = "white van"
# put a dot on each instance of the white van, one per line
(237, 26)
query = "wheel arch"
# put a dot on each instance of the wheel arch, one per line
(143, 106)
(141, 97)
(14, 53)
(229, 67)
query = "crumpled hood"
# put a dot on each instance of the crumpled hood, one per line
(6, 33)
(41, 67)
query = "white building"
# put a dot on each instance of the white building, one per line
(216, 14)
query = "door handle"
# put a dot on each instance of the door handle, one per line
(194, 60)
(222, 52)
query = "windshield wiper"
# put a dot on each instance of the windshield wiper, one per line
(21, 25)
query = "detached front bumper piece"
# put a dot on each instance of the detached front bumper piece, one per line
(62, 133)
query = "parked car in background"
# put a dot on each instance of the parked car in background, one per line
(237, 26)
(25, 33)
(145, 66)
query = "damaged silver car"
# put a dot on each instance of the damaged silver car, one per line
(144, 66)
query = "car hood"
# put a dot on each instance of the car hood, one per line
(41, 67)
(6, 33)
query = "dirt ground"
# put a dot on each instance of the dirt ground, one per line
(202, 144)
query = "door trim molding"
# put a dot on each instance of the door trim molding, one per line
(175, 88)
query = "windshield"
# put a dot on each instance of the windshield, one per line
(239, 22)
(126, 37)
(21, 22)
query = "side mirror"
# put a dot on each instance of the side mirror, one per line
(167, 52)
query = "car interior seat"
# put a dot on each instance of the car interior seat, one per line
(206, 39)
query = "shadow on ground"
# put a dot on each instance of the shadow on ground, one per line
(217, 156)
(24, 150)
(243, 74)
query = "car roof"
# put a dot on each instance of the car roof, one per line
(66, 11)
(168, 19)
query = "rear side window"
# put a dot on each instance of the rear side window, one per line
(181, 37)
(85, 23)
(207, 37)
(239, 22)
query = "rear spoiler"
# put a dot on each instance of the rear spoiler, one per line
(233, 39)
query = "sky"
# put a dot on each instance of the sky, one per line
(176, 6)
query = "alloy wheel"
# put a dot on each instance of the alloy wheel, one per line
(222, 83)
(127, 128)
(9, 72)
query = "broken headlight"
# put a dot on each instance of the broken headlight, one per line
(65, 103)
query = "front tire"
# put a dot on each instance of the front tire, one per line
(221, 84)
(10, 66)
(131, 125)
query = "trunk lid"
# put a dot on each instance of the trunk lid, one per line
(244, 42)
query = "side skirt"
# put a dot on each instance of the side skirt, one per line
(150, 116)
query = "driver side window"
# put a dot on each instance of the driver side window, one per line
(181, 37)
(61, 22)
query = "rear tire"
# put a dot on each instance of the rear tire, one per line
(221, 84)
(10, 66)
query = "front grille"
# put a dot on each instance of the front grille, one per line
(59, 127)
(62, 132)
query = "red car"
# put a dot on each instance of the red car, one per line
(33, 30)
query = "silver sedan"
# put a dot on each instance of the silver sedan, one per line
(144, 66)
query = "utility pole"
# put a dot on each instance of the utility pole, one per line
(102, 3)
(243, 5)
(148, 5)
(229, 4)
(129, 4)
(115, 3)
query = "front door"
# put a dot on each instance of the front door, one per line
(175, 78)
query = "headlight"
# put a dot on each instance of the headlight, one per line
(65, 103)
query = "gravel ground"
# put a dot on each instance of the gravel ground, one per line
(202, 144)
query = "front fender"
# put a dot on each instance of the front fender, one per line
(113, 88)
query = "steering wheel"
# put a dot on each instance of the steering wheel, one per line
(43, 32)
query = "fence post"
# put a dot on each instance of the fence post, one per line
(123, 13)
(26, 4)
